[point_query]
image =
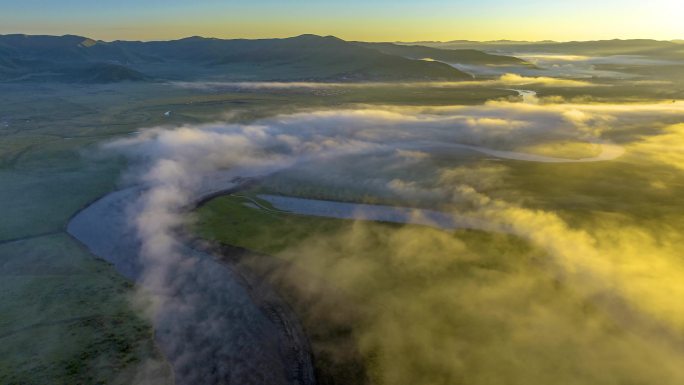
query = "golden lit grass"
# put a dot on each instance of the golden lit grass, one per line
(421, 305)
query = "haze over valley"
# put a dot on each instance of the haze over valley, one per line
(312, 209)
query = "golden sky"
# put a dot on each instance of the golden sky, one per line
(379, 20)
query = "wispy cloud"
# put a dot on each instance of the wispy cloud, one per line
(620, 268)
(508, 79)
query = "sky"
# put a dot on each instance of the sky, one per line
(370, 20)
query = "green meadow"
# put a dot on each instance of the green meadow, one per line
(66, 315)
(374, 298)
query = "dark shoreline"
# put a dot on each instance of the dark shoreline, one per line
(258, 280)
(263, 293)
(268, 301)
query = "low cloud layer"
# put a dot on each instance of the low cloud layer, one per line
(631, 274)
(504, 80)
(571, 66)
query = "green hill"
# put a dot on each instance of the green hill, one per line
(105, 73)
(453, 56)
(647, 47)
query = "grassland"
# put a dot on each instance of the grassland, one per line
(66, 319)
(365, 291)
(334, 314)
(64, 315)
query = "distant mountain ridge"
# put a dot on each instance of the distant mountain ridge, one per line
(457, 56)
(646, 47)
(73, 58)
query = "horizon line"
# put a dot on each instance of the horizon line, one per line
(333, 36)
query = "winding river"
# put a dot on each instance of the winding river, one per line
(234, 331)
(369, 212)
(220, 327)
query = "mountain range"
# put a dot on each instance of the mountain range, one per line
(69, 58)
(645, 47)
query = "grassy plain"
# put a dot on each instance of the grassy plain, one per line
(334, 313)
(367, 292)
(65, 316)
(344, 278)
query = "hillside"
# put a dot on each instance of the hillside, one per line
(308, 57)
(653, 48)
(453, 56)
